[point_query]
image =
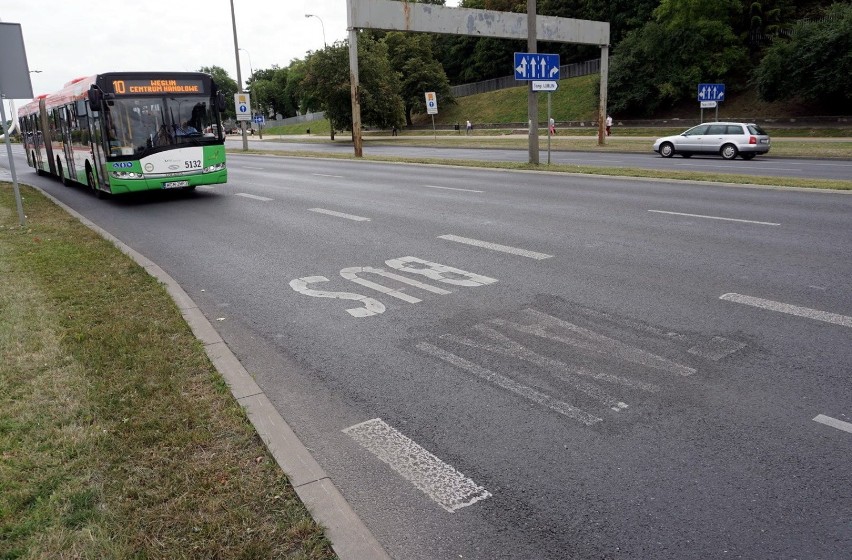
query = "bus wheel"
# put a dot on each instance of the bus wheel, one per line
(90, 179)
(59, 171)
(38, 169)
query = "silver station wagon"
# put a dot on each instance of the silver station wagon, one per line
(727, 139)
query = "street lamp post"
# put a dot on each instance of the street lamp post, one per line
(239, 75)
(323, 27)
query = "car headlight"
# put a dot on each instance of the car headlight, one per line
(126, 175)
(216, 167)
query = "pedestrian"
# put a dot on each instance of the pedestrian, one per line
(608, 125)
(394, 131)
(469, 128)
(552, 127)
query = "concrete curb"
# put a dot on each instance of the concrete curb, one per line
(350, 538)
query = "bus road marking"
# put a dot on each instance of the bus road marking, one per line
(253, 197)
(339, 214)
(450, 188)
(496, 247)
(834, 423)
(715, 218)
(815, 314)
(435, 478)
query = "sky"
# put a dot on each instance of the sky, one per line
(70, 39)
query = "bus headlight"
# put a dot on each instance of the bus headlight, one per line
(216, 167)
(126, 175)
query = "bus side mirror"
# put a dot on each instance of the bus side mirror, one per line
(220, 102)
(96, 97)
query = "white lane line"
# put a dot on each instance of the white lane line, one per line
(250, 167)
(815, 314)
(325, 175)
(511, 385)
(206, 187)
(339, 214)
(438, 480)
(496, 247)
(450, 188)
(253, 196)
(715, 218)
(834, 423)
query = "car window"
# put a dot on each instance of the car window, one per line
(697, 130)
(716, 129)
(734, 129)
(754, 129)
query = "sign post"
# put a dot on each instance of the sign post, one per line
(14, 83)
(709, 96)
(432, 109)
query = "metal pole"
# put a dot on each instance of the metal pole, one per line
(21, 217)
(239, 74)
(434, 132)
(355, 90)
(549, 131)
(532, 97)
(602, 108)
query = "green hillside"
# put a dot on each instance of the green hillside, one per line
(575, 100)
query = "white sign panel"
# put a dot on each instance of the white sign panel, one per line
(708, 104)
(545, 86)
(431, 103)
(242, 105)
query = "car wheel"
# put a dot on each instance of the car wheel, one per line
(729, 151)
(667, 149)
(747, 156)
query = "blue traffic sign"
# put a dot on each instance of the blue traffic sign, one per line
(711, 92)
(259, 119)
(536, 66)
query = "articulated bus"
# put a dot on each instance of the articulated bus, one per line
(127, 132)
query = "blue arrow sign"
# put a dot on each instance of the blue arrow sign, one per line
(536, 66)
(711, 92)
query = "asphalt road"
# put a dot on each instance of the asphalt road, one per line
(767, 166)
(521, 365)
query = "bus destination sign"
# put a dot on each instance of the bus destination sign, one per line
(155, 86)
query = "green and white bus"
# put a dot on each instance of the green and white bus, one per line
(125, 132)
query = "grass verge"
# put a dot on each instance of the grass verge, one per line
(118, 439)
(820, 184)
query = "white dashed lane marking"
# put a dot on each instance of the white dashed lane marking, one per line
(815, 314)
(339, 214)
(450, 188)
(326, 175)
(253, 197)
(496, 247)
(438, 480)
(834, 423)
(715, 218)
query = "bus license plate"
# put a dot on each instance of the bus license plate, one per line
(175, 184)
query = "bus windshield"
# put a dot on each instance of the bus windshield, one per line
(137, 125)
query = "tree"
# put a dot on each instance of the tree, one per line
(815, 64)
(419, 70)
(227, 85)
(327, 81)
(660, 64)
